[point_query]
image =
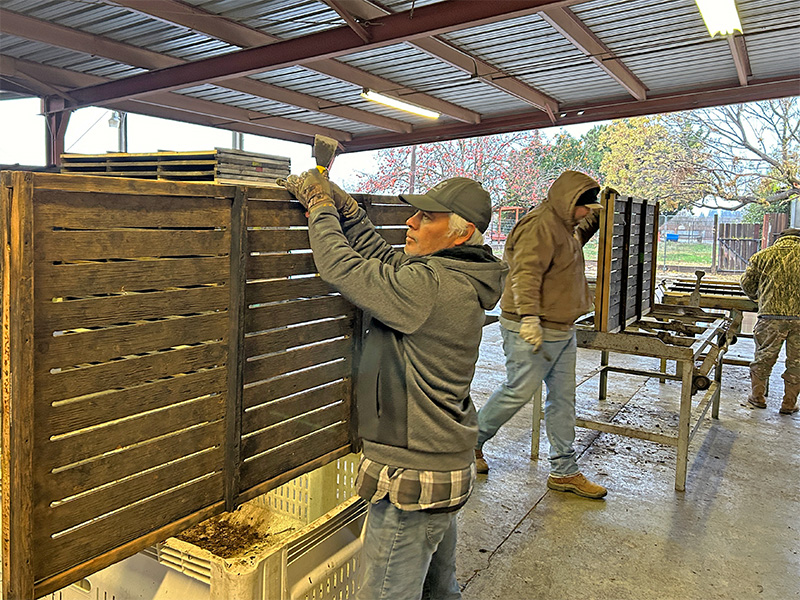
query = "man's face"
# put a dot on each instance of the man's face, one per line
(428, 232)
(580, 212)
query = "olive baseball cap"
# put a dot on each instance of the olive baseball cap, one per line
(460, 195)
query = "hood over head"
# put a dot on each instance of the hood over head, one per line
(566, 190)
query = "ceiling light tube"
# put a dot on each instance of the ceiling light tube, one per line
(720, 16)
(399, 104)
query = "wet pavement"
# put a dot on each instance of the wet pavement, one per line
(733, 534)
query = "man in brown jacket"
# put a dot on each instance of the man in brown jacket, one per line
(545, 292)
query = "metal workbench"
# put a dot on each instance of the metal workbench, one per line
(696, 339)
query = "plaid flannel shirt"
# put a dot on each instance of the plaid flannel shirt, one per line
(409, 489)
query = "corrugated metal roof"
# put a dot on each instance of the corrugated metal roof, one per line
(492, 66)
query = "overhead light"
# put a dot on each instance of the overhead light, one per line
(720, 16)
(114, 120)
(399, 104)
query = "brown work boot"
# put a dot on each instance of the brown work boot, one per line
(757, 386)
(790, 392)
(480, 463)
(577, 484)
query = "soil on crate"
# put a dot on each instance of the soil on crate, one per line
(237, 534)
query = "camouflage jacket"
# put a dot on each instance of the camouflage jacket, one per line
(772, 278)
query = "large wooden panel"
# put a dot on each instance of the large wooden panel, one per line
(130, 323)
(173, 352)
(625, 261)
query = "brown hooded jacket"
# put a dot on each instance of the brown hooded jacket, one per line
(544, 253)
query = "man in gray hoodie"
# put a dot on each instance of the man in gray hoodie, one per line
(545, 292)
(426, 307)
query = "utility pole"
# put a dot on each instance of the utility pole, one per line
(412, 175)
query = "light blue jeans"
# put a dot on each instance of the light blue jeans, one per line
(408, 555)
(554, 364)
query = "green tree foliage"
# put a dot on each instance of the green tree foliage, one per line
(651, 157)
(535, 166)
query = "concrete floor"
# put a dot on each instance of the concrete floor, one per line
(733, 534)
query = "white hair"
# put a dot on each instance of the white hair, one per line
(458, 227)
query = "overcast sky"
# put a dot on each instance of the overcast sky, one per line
(22, 139)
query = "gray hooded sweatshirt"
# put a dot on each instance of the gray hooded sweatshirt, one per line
(426, 317)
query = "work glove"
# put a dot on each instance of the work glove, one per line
(531, 332)
(344, 202)
(311, 188)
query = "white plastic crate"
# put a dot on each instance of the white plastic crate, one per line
(317, 562)
(309, 496)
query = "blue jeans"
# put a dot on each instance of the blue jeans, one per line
(408, 555)
(554, 364)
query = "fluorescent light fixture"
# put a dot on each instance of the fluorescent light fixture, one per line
(720, 16)
(399, 104)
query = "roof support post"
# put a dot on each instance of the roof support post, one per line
(57, 118)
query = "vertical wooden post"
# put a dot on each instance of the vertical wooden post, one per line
(236, 314)
(603, 284)
(714, 245)
(17, 386)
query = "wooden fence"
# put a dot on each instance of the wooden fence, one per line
(168, 353)
(626, 261)
(739, 241)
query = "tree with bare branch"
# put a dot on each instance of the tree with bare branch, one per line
(725, 157)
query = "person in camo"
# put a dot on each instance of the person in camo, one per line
(426, 307)
(772, 278)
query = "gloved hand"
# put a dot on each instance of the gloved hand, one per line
(344, 202)
(311, 188)
(531, 332)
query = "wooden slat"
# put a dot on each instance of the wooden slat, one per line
(293, 455)
(130, 371)
(277, 240)
(18, 395)
(265, 391)
(277, 340)
(111, 310)
(104, 559)
(301, 358)
(112, 188)
(64, 451)
(100, 345)
(283, 409)
(78, 280)
(286, 289)
(104, 209)
(296, 428)
(396, 237)
(129, 461)
(67, 245)
(119, 404)
(390, 215)
(138, 520)
(65, 515)
(280, 265)
(275, 213)
(271, 316)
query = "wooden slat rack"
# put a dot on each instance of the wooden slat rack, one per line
(220, 165)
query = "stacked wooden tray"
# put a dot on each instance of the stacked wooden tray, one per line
(220, 165)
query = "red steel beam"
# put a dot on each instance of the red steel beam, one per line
(688, 100)
(426, 21)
